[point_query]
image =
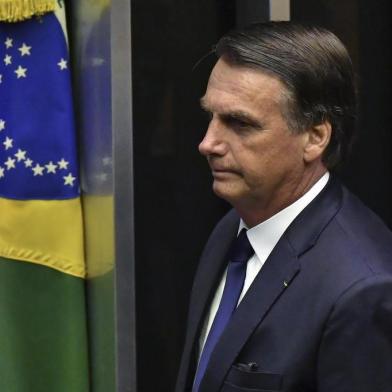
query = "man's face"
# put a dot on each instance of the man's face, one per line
(256, 161)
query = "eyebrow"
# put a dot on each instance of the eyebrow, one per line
(239, 115)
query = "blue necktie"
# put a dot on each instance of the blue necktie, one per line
(240, 252)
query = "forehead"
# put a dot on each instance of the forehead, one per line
(241, 85)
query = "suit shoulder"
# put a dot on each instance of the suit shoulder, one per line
(354, 246)
(365, 232)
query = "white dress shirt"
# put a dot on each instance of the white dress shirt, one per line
(263, 239)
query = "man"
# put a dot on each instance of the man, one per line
(294, 287)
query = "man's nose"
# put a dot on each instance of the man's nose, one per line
(213, 142)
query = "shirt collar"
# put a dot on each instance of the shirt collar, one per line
(265, 235)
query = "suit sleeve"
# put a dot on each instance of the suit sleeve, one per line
(356, 348)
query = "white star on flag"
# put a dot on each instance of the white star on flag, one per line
(7, 59)
(69, 180)
(107, 161)
(8, 42)
(1, 172)
(21, 72)
(51, 168)
(1, 78)
(28, 162)
(63, 164)
(102, 177)
(62, 64)
(97, 61)
(8, 143)
(2, 125)
(20, 155)
(38, 170)
(24, 50)
(10, 163)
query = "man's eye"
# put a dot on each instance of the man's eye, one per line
(237, 123)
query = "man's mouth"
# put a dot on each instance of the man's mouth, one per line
(222, 172)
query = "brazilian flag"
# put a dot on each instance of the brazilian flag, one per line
(43, 334)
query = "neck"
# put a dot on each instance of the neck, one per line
(256, 212)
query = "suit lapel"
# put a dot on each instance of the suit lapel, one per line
(211, 267)
(277, 273)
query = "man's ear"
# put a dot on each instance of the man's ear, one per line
(317, 141)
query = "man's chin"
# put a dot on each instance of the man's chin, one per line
(225, 191)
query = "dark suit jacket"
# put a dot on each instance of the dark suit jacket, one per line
(318, 316)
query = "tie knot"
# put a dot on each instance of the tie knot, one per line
(241, 250)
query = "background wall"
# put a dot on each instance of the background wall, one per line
(366, 30)
(175, 209)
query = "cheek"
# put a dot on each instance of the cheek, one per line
(270, 163)
(259, 156)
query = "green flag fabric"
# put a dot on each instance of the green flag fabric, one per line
(42, 330)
